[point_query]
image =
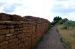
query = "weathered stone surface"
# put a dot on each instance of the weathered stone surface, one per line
(18, 32)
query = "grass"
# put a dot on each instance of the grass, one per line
(70, 24)
(68, 36)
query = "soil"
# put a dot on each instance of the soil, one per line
(51, 40)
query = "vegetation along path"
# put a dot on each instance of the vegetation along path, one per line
(51, 40)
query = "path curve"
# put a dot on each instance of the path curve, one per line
(51, 40)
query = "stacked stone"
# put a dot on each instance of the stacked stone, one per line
(21, 32)
(41, 26)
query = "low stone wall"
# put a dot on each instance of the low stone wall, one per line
(21, 34)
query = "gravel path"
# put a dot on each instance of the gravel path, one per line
(51, 41)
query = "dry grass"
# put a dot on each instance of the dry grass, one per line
(68, 36)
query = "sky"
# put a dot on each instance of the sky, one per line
(47, 9)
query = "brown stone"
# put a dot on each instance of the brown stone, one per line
(18, 32)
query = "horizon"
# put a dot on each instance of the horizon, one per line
(47, 9)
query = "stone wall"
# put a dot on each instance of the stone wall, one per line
(22, 34)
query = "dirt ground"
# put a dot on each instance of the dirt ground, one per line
(51, 40)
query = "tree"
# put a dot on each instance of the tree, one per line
(56, 19)
(63, 21)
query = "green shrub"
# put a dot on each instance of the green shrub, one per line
(68, 24)
(63, 21)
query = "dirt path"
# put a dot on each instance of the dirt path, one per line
(51, 41)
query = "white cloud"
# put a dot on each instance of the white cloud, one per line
(40, 8)
(65, 9)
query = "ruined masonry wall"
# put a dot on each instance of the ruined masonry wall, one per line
(20, 34)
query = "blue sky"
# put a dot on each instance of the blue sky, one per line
(47, 9)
